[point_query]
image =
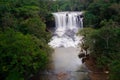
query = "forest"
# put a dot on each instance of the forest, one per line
(24, 34)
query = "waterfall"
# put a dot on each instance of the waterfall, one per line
(65, 60)
(67, 25)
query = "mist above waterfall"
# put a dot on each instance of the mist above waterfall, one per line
(67, 25)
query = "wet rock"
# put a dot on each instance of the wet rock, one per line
(81, 55)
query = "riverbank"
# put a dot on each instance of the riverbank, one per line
(95, 73)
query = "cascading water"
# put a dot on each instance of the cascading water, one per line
(67, 25)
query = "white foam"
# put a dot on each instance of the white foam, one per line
(67, 25)
(64, 41)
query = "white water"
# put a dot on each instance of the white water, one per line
(67, 25)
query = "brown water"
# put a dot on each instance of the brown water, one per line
(67, 65)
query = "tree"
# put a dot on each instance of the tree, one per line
(36, 27)
(104, 47)
(21, 55)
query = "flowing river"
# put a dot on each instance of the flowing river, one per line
(67, 64)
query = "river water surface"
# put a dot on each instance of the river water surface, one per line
(67, 64)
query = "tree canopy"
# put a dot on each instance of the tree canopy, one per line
(24, 40)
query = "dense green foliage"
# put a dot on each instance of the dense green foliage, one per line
(104, 47)
(100, 10)
(23, 39)
(103, 42)
(20, 55)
